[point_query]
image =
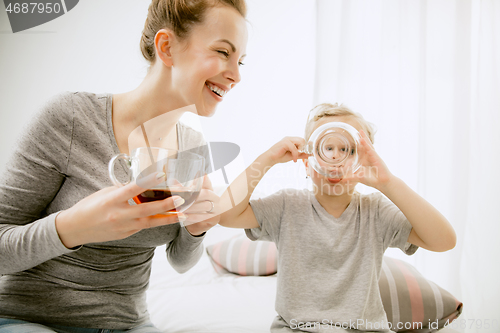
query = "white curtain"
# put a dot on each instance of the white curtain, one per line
(427, 73)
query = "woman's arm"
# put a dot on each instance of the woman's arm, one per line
(32, 179)
(235, 200)
(184, 251)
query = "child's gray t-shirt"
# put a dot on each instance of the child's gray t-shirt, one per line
(328, 268)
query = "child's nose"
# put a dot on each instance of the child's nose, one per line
(335, 153)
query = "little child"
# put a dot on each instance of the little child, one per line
(331, 241)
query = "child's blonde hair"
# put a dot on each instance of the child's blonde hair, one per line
(332, 110)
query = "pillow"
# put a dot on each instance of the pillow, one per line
(240, 255)
(412, 303)
(409, 298)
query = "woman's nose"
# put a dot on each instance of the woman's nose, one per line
(233, 74)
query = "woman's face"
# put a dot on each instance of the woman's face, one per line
(206, 66)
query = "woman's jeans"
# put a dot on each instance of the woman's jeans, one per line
(20, 326)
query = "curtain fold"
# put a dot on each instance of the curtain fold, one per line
(427, 73)
(479, 263)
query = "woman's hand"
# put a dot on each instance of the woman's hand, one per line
(373, 171)
(286, 150)
(205, 212)
(106, 215)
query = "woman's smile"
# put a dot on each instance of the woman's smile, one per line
(216, 91)
(206, 65)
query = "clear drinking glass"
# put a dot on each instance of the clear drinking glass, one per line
(333, 150)
(184, 172)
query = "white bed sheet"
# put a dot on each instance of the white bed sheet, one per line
(202, 300)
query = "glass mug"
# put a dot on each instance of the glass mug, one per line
(333, 150)
(184, 172)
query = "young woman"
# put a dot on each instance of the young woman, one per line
(75, 256)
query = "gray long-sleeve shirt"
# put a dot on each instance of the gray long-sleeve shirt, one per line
(61, 159)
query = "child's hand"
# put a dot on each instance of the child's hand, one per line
(373, 171)
(286, 150)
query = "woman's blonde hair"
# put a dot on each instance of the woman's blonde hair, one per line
(334, 110)
(179, 16)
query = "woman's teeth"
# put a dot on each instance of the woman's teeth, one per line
(218, 91)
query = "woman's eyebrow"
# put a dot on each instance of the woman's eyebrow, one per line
(233, 48)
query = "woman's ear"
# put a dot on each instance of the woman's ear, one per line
(163, 44)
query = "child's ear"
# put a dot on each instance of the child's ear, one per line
(306, 163)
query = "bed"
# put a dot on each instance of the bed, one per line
(204, 300)
(209, 298)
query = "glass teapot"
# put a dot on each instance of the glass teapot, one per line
(333, 150)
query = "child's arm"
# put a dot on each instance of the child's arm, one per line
(241, 215)
(431, 230)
